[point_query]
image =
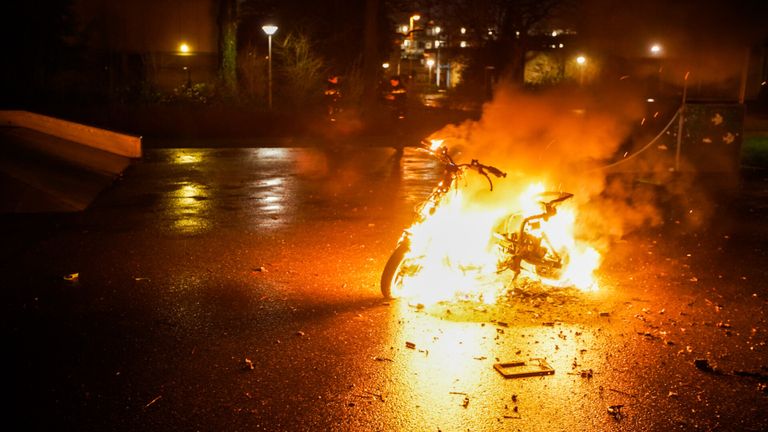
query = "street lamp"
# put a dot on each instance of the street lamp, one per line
(185, 50)
(656, 51)
(430, 63)
(269, 30)
(412, 45)
(581, 61)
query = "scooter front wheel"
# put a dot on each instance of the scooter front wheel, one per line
(393, 271)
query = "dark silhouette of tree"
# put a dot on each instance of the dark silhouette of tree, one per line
(228, 21)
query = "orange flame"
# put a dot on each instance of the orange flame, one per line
(454, 254)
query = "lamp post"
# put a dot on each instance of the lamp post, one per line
(430, 63)
(185, 50)
(269, 30)
(581, 61)
(412, 45)
(657, 51)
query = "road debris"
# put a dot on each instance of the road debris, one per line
(72, 277)
(522, 369)
(465, 403)
(260, 269)
(704, 366)
(410, 345)
(584, 373)
(300, 333)
(248, 364)
(152, 402)
(383, 359)
(615, 411)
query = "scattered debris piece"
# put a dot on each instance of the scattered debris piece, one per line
(72, 277)
(705, 366)
(615, 411)
(605, 314)
(584, 373)
(261, 269)
(522, 369)
(465, 403)
(502, 324)
(382, 359)
(248, 364)
(514, 417)
(723, 325)
(672, 394)
(548, 324)
(514, 398)
(480, 358)
(410, 345)
(300, 333)
(153, 401)
(140, 279)
(458, 393)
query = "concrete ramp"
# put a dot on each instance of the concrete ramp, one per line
(44, 169)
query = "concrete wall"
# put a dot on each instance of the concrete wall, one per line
(113, 142)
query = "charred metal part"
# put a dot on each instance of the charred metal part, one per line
(522, 369)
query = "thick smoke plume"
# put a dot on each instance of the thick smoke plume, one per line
(563, 139)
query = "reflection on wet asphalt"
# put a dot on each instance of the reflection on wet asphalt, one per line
(269, 188)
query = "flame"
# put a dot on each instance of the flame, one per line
(455, 254)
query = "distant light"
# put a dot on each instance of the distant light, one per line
(437, 44)
(438, 29)
(404, 28)
(416, 17)
(184, 48)
(385, 65)
(655, 49)
(581, 60)
(269, 29)
(463, 30)
(463, 44)
(561, 46)
(430, 62)
(554, 33)
(650, 100)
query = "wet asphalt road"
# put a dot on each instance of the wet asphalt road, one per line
(199, 259)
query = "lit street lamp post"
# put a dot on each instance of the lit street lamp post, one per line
(656, 51)
(430, 63)
(412, 45)
(185, 50)
(581, 61)
(269, 30)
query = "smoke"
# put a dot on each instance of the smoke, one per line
(563, 139)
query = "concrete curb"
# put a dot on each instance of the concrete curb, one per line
(113, 142)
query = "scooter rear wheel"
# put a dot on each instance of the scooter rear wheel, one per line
(393, 271)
